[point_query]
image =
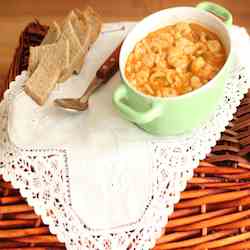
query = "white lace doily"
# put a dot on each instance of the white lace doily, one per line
(144, 179)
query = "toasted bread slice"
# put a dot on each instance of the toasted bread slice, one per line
(69, 33)
(80, 29)
(41, 83)
(94, 20)
(36, 53)
(87, 26)
(33, 59)
(46, 75)
(53, 34)
(78, 26)
(67, 72)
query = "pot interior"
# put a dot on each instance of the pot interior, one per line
(169, 17)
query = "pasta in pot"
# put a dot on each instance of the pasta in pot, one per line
(175, 60)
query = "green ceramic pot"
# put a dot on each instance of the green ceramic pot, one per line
(175, 115)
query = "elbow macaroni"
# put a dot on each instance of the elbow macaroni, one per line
(175, 60)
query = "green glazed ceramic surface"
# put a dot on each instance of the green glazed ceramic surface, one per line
(175, 115)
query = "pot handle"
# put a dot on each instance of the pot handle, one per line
(131, 114)
(218, 11)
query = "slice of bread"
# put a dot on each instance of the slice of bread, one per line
(33, 59)
(53, 34)
(80, 29)
(69, 33)
(62, 52)
(46, 75)
(76, 63)
(36, 53)
(48, 43)
(41, 83)
(87, 26)
(78, 25)
(92, 17)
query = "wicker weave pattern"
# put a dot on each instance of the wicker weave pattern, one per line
(212, 214)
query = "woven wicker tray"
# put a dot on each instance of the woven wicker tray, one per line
(214, 211)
